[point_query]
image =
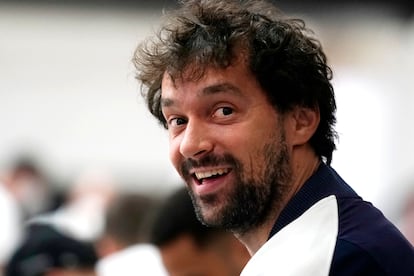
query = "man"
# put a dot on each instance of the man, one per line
(61, 242)
(124, 248)
(11, 230)
(246, 97)
(190, 248)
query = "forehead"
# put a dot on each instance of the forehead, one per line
(234, 79)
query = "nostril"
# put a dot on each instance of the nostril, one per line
(191, 149)
(200, 153)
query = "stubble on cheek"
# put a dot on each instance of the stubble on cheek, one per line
(203, 207)
(210, 208)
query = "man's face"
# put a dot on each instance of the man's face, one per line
(228, 143)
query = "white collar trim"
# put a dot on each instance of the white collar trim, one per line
(303, 247)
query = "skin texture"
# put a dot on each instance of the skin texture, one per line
(223, 257)
(222, 123)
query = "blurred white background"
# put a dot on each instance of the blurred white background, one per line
(68, 94)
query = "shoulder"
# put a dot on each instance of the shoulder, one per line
(368, 243)
(352, 259)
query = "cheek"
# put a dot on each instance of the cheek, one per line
(251, 148)
(174, 152)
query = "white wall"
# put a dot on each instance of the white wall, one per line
(67, 89)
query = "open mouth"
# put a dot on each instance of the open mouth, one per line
(202, 176)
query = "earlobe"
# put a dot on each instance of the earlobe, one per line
(306, 121)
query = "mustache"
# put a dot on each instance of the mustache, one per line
(208, 160)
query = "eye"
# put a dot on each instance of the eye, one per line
(223, 111)
(177, 121)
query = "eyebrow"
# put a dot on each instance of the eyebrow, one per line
(209, 90)
(221, 87)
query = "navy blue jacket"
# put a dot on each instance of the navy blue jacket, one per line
(367, 243)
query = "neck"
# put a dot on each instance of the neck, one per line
(304, 164)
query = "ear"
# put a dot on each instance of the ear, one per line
(304, 122)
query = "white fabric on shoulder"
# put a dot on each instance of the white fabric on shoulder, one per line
(303, 247)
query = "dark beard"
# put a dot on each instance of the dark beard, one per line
(254, 198)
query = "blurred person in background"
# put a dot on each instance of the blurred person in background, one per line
(190, 248)
(87, 201)
(11, 226)
(25, 192)
(123, 248)
(246, 96)
(61, 242)
(30, 186)
(49, 251)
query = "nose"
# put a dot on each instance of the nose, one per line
(196, 141)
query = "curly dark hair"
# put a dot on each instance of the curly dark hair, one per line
(281, 53)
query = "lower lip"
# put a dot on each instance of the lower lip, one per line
(209, 186)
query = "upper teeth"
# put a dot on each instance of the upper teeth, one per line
(201, 175)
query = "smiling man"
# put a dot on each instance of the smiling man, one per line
(245, 95)
(227, 109)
